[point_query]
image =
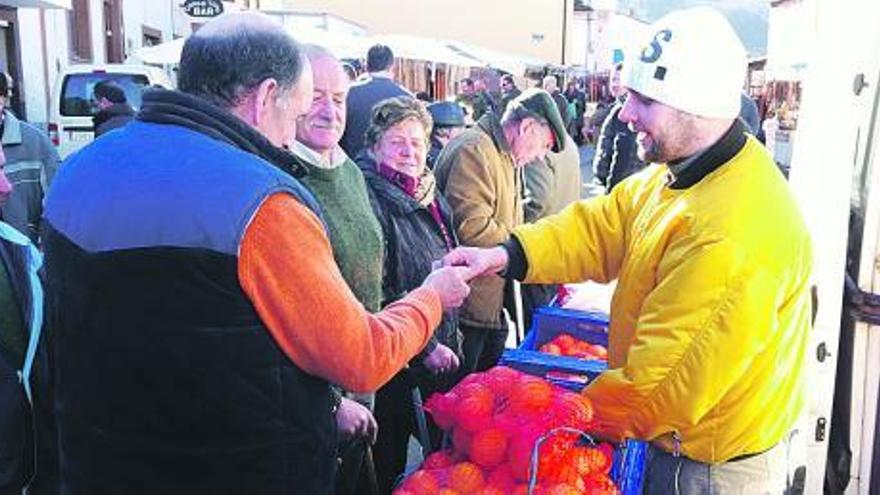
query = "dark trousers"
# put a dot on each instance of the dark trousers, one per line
(351, 478)
(533, 297)
(396, 415)
(482, 347)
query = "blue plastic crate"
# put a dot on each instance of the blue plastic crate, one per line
(540, 364)
(628, 466)
(548, 322)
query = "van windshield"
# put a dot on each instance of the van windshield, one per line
(77, 92)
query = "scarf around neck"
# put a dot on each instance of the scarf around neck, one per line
(422, 188)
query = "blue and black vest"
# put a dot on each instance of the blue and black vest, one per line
(167, 379)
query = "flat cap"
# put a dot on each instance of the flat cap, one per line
(446, 114)
(539, 103)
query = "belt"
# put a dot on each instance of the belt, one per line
(667, 444)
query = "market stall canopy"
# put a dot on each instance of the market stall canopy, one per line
(347, 45)
(162, 54)
(341, 45)
(39, 4)
(780, 72)
(427, 49)
(514, 63)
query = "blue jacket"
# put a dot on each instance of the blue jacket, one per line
(170, 381)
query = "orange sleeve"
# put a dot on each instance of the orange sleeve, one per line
(287, 270)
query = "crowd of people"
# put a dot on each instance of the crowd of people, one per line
(249, 285)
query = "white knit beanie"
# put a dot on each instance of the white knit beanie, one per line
(691, 60)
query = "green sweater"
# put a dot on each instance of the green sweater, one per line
(355, 234)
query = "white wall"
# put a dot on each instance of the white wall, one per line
(155, 14)
(33, 80)
(96, 19)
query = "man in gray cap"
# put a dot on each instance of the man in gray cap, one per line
(448, 123)
(480, 173)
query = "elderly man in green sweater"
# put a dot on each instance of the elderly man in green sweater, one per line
(355, 234)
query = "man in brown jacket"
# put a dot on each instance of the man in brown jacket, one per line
(480, 173)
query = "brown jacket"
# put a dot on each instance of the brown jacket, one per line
(477, 176)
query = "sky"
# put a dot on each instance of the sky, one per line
(748, 17)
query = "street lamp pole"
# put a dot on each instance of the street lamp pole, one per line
(564, 27)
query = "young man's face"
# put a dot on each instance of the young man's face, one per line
(664, 134)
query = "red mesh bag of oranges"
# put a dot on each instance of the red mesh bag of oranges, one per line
(494, 421)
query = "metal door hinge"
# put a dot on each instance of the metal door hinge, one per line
(861, 305)
(821, 425)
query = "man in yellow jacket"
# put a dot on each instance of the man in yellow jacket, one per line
(711, 315)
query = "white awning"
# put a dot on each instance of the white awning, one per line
(427, 49)
(38, 4)
(516, 64)
(162, 54)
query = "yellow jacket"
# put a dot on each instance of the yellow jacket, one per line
(710, 319)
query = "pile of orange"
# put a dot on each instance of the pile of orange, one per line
(494, 420)
(566, 345)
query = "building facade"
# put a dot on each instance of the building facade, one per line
(534, 28)
(52, 34)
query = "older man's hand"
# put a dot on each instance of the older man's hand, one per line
(451, 283)
(441, 360)
(479, 261)
(356, 421)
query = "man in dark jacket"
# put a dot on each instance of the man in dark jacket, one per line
(509, 91)
(748, 112)
(576, 95)
(31, 162)
(473, 95)
(448, 123)
(113, 108)
(551, 86)
(21, 304)
(198, 322)
(616, 157)
(378, 86)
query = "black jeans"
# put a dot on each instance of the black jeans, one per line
(482, 347)
(351, 478)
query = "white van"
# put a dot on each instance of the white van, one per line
(73, 105)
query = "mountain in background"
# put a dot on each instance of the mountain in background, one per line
(748, 17)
